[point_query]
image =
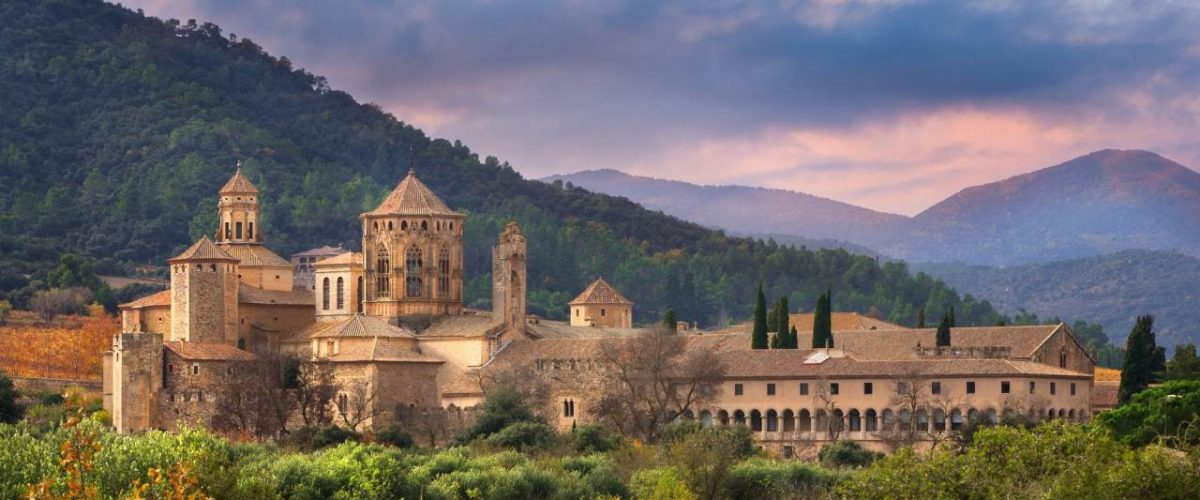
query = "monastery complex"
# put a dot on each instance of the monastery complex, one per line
(390, 321)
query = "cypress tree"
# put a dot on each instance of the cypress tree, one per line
(794, 338)
(669, 320)
(953, 321)
(921, 318)
(822, 325)
(787, 342)
(758, 337)
(943, 331)
(773, 317)
(1140, 351)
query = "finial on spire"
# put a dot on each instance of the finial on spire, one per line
(239, 165)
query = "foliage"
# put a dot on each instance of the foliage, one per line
(943, 331)
(759, 478)
(5, 310)
(311, 438)
(394, 435)
(503, 407)
(758, 335)
(67, 349)
(56, 301)
(1185, 365)
(704, 456)
(660, 484)
(669, 320)
(823, 322)
(590, 438)
(1169, 412)
(11, 410)
(524, 436)
(1138, 370)
(847, 453)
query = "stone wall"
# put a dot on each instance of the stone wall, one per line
(1061, 345)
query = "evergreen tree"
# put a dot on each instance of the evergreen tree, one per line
(943, 331)
(777, 339)
(11, 410)
(794, 338)
(669, 320)
(1137, 372)
(783, 327)
(822, 324)
(758, 337)
(1159, 368)
(921, 317)
(1185, 365)
(773, 317)
(953, 321)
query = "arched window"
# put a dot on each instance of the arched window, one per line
(1062, 358)
(855, 420)
(325, 294)
(389, 225)
(444, 273)
(424, 226)
(341, 294)
(412, 272)
(404, 225)
(358, 299)
(382, 267)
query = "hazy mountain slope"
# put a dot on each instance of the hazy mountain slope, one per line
(1106, 201)
(1110, 289)
(741, 209)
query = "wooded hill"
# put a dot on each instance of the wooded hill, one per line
(117, 129)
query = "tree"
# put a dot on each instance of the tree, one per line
(953, 320)
(652, 379)
(429, 422)
(784, 327)
(921, 317)
(73, 271)
(822, 324)
(252, 400)
(1140, 352)
(704, 456)
(1170, 411)
(943, 331)
(314, 391)
(357, 404)
(11, 410)
(758, 337)
(50, 303)
(5, 310)
(503, 406)
(669, 321)
(1185, 365)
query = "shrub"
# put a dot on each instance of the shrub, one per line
(394, 435)
(847, 453)
(503, 407)
(597, 473)
(704, 456)
(525, 436)
(593, 439)
(315, 438)
(1170, 411)
(766, 479)
(11, 410)
(659, 484)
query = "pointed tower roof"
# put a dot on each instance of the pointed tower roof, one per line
(412, 197)
(239, 184)
(203, 249)
(600, 292)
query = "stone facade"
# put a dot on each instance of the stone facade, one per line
(339, 286)
(601, 305)
(204, 289)
(508, 278)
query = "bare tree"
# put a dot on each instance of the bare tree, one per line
(314, 392)
(823, 401)
(252, 400)
(430, 422)
(356, 404)
(532, 385)
(652, 379)
(50, 303)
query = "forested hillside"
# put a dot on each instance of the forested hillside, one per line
(117, 129)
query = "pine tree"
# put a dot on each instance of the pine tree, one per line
(1137, 373)
(1185, 365)
(669, 320)
(921, 318)
(943, 331)
(758, 338)
(783, 326)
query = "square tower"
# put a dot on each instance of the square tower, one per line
(204, 292)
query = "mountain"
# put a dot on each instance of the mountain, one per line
(117, 129)
(1103, 202)
(741, 209)
(1110, 289)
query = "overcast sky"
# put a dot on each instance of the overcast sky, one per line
(889, 104)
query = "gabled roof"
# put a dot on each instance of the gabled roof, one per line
(156, 299)
(254, 255)
(412, 197)
(900, 344)
(238, 184)
(359, 325)
(324, 250)
(600, 292)
(207, 351)
(253, 295)
(842, 321)
(345, 259)
(203, 249)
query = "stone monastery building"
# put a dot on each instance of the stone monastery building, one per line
(390, 321)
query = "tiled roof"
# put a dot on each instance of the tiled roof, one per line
(162, 298)
(1104, 394)
(345, 259)
(842, 321)
(385, 350)
(254, 255)
(790, 363)
(600, 292)
(317, 252)
(547, 329)
(461, 326)
(412, 197)
(207, 351)
(463, 382)
(297, 297)
(203, 249)
(359, 325)
(238, 184)
(900, 344)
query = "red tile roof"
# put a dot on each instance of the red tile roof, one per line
(207, 351)
(412, 197)
(600, 292)
(157, 299)
(238, 184)
(203, 249)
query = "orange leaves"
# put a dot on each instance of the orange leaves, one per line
(67, 350)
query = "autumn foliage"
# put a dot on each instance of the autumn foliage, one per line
(67, 349)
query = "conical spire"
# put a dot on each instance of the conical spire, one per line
(600, 292)
(412, 197)
(239, 184)
(203, 249)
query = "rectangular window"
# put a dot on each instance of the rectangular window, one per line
(250, 230)
(1004, 388)
(1072, 388)
(770, 389)
(1032, 387)
(833, 388)
(804, 389)
(935, 387)
(737, 389)
(970, 387)
(1053, 388)
(228, 234)
(237, 230)
(868, 388)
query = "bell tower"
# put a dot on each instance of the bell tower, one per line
(238, 210)
(508, 277)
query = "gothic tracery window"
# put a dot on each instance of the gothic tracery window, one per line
(341, 294)
(382, 265)
(412, 272)
(444, 273)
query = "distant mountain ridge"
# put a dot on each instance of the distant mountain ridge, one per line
(1100, 203)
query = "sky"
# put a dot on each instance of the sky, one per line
(888, 104)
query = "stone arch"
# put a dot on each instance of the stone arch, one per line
(939, 419)
(805, 421)
(403, 225)
(905, 419)
(383, 266)
(1071, 414)
(855, 420)
(991, 417)
(413, 265)
(739, 417)
(820, 420)
(756, 421)
(956, 419)
(1050, 414)
(772, 421)
(838, 422)
(424, 225)
(706, 419)
(889, 419)
(1062, 413)
(872, 420)
(922, 420)
(341, 293)
(325, 294)
(723, 417)
(789, 421)
(973, 416)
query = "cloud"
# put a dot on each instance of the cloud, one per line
(887, 103)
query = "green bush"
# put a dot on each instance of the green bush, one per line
(315, 438)
(394, 435)
(11, 410)
(503, 407)
(598, 473)
(1170, 411)
(759, 478)
(847, 453)
(525, 436)
(593, 439)
(659, 484)
(25, 458)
